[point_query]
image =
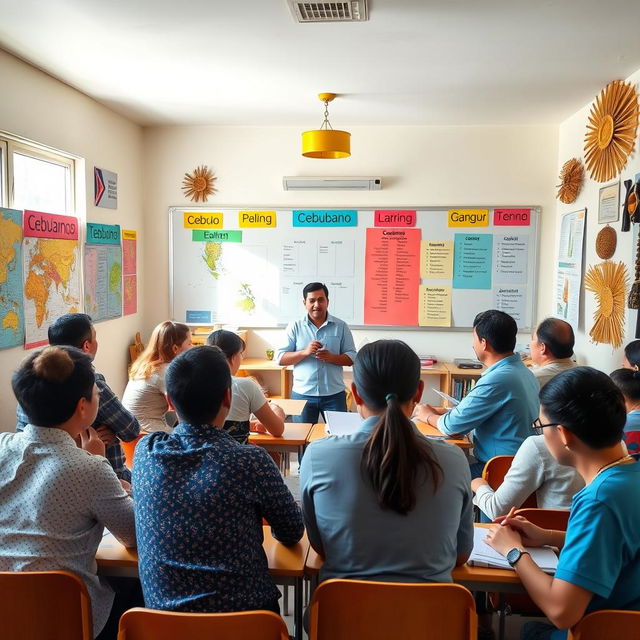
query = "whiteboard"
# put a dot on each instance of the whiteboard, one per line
(253, 277)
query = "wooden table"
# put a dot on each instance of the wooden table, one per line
(286, 565)
(290, 406)
(318, 431)
(294, 438)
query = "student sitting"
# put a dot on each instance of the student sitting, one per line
(113, 422)
(583, 415)
(631, 358)
(386, 503)
(246, 396)
(533, 470)
(200, 500)
(57, 498)
(628, 381)
(504, 402)
(145, 394)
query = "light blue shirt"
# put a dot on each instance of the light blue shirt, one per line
(312, 377)
(633, 421)
(499, 409)
(363, 541)
(601, 552)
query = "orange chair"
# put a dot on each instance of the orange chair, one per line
(129, 449)
(608, 624)
(556, 519)
(44, 604)
(348, 609)
(147, 624)
(494, 472)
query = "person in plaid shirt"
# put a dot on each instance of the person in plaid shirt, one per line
(113, 422)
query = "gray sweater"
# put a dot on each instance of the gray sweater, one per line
(533, 469)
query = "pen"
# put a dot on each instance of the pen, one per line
(509, 515)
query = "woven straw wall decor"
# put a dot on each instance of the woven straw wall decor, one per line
(609, 281)
(606, 242)
(199, 185)
(611, 131)
(571, 180)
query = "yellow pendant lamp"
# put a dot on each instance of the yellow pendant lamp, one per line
(326, 142)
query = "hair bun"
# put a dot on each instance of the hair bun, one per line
(53, 364)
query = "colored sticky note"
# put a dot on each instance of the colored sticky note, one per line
(198, 317)
(103, 233)
(436, 259)
(435, 306)
(203, 219)
(128, 234)
(472, 258)
(468, 217)
(512, 217)
(325, 218)
(213, 235)
(393, 218)
(256, 219)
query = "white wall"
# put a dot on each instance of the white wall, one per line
(419, 165)
(571, 144)
(38, 107)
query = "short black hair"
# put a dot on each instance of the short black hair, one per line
(628, 381)
(314, 286)
(498, 328)
(632, 353)
(49, 384)
(228, 342)
(558, 336)
(196, 381)
(586, 402)
(71, 329)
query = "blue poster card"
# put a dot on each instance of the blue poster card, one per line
(472, 259)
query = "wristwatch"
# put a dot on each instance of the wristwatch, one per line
(514, 555)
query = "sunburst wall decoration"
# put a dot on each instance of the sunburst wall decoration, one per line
(609, 281)
(199, 185)
(571, 179)
(611, 131)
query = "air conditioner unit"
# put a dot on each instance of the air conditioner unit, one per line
(304, 183)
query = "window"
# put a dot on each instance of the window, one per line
(32, 177)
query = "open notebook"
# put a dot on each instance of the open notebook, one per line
(342, 423)
(485, 556)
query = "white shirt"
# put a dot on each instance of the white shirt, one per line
(55, 501)
(145, 398)
(246, 398)
(533, 470)
(547, 371)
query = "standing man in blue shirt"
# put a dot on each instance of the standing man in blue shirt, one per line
(504, 403)
(318, 346)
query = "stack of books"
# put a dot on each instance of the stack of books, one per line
(427, 361)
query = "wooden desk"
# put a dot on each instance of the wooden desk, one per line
(318, 431)
(286, 565)
(290, 406)
(294, 438)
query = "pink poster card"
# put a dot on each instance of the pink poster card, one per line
(512, 217)
(49, 225)
(394, 218)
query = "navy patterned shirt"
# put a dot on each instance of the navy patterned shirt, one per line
(199, 502)
(111, 413)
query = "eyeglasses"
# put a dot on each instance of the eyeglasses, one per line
(537, 426)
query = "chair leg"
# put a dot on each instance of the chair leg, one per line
(285, 600)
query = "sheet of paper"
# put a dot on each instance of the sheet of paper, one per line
(450, 399)
(342, 423)
(473, 255)
(436, 259)
(511, 300)
(435, 306)
(511, 258)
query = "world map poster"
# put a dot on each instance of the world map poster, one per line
(51, 265)
(11, 309)
(103, 272)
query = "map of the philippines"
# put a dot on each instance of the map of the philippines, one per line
(11, 309)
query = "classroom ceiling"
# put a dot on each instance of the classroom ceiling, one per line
(246, 62)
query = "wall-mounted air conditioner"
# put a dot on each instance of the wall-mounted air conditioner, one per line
(303, 183)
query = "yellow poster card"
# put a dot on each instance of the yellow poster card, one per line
(129, 235)
(203, 219)
(468, 217)
(435, 306)
(436, 260)
(255, 219)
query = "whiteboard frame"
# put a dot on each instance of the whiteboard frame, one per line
(212, 207)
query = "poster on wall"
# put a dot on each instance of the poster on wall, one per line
(609, 203)
(105, 188)
(569, 267)
(129, 272)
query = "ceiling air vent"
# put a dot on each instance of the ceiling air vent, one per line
(353, 11)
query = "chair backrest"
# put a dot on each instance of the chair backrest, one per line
(494, 472)
(546, 518)
(608, 624)
(348, 609)
(44, 604)
(147, 624)
(136, 348)
(128, 448)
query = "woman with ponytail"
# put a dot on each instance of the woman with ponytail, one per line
(386, 503)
